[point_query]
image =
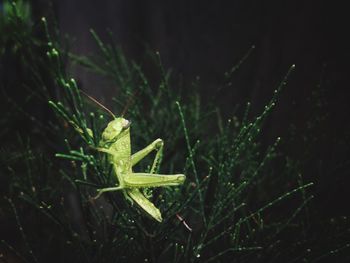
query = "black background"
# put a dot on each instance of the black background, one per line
(206, 38)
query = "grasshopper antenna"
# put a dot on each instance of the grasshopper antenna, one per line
(99, 104)
(130, 101)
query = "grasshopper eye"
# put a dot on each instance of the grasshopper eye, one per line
(126, 124)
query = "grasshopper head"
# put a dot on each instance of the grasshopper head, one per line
(114, 130)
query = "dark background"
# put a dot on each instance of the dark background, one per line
(204, 39)
(207, 38)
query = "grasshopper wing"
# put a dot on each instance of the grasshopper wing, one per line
(136, 195)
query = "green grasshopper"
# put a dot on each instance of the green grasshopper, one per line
(115, 142)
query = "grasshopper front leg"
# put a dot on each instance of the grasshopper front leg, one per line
(155, 145)
(108, 151)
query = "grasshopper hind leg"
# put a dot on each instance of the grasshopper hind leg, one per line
(156, 145)
(147, 206)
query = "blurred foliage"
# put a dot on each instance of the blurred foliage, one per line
(241, 202)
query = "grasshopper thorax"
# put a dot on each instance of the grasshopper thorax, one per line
(115, 130)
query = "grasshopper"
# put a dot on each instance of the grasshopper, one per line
(115, 142)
